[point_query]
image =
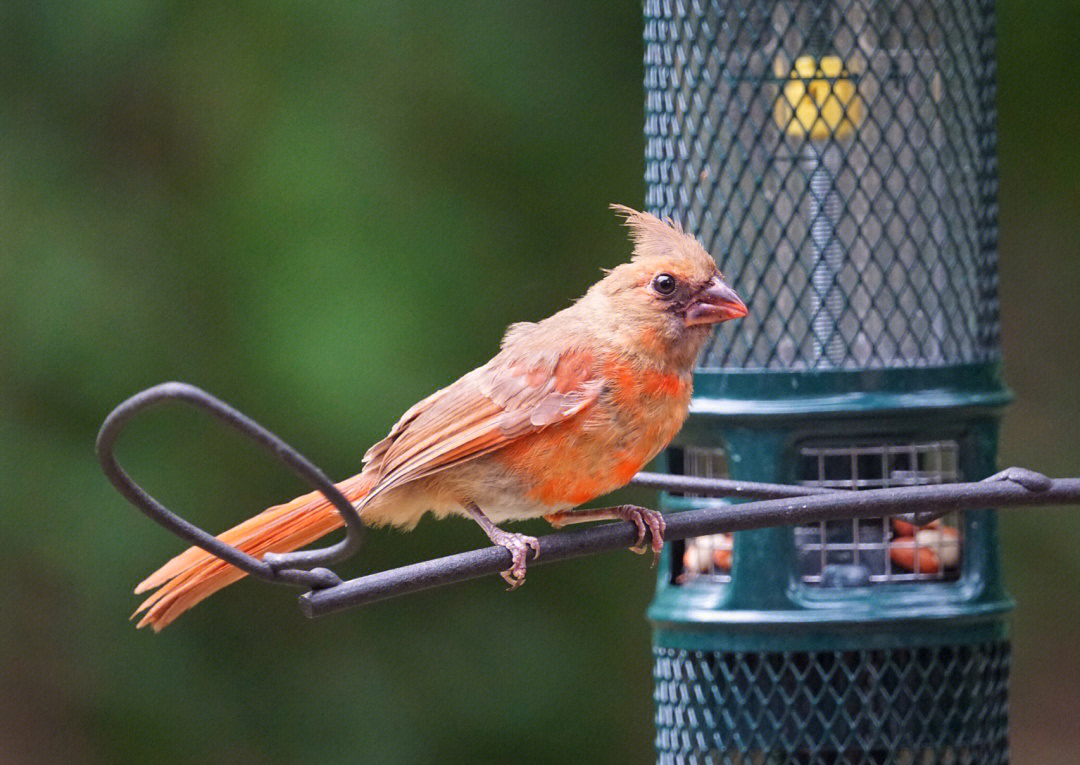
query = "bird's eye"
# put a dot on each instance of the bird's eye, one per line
(664, 284)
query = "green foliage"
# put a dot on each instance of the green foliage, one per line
(322, 212)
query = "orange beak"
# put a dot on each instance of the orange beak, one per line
(714, 304)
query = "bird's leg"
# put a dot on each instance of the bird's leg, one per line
(641, 517)
(517, 544)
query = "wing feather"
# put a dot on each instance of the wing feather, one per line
(504, 400)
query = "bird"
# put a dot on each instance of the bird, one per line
(569, 409)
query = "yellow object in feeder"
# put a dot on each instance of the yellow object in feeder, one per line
(819, 100)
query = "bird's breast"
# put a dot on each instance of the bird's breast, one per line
(574, 461)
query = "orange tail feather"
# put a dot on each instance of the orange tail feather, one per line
(196, 574)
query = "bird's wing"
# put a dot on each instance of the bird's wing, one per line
(509, 397)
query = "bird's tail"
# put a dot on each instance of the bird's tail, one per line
(196, 574)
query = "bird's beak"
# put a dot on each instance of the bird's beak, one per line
(715, 303)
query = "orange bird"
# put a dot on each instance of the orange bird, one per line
(569, 409)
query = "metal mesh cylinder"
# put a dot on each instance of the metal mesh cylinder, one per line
(838, 158)
(939, 704)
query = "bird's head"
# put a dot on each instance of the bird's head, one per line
(670, 293)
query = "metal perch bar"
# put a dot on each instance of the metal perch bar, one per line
(935, 500)
(724, 487)
(779, 505)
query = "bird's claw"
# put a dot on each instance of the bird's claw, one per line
(644, 519)
(518, 545)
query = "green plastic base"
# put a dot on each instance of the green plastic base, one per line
(761, 419)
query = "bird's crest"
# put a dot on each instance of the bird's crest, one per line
(656, 238)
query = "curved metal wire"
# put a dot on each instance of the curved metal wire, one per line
(302, 569)
(777, 505)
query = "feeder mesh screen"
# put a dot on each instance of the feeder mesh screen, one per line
(837, 158)
(929, 705)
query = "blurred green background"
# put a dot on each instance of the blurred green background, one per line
(322, 212)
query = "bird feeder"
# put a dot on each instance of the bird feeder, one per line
(838, 160)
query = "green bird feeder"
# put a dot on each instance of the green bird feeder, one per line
(838, 160)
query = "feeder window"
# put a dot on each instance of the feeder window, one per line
(708, 556)
(879, 550)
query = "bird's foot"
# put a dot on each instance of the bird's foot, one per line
(644, 519)
(519, 546)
